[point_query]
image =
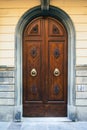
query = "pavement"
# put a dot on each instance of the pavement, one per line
(43, 125)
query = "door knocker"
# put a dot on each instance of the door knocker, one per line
(33, 72)
(56, 72)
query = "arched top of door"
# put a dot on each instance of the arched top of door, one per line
(54, 12)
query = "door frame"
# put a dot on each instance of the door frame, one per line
(67, 22)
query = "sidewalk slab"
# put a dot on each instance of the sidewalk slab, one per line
(4, 125)
(43, 126)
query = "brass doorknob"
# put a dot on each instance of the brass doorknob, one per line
(56, 72)
(33, 72)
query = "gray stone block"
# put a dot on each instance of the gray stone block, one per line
(82, 113)
(5, 88)
(81, 80)
(6, 102)
(6, 73)
(6, 113)
(6, 80)
(81, 102)
(81, 73)
(81, 95)
(6, 95)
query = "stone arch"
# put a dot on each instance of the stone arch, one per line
(67, 22)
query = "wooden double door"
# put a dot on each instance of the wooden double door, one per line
(45, 68)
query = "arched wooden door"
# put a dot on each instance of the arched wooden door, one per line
(45, 68)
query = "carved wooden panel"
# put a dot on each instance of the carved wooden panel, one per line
(33, 29)
(33, 89)
(55, 28)
(56, 63)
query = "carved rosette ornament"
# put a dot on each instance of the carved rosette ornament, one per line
(34, 29)
(34, 89)
(56, 89)
(55, 30)
(56, 53)
(33, 52)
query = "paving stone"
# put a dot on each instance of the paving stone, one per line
(44, 126)
(4, 125)
(41, 127)
(15, 126)
(60, 126)
(28, 127)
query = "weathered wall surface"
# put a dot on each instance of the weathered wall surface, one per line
(81, 92)
(7, 93)
(10, 13)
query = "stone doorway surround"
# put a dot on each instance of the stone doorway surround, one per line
(67, 22)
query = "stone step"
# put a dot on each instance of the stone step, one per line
(47, 119)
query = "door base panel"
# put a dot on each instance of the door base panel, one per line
(45, 110)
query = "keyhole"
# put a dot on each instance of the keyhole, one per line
(33, 72)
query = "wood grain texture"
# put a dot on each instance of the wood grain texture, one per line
(45, 94)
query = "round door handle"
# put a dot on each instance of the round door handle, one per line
(56, 72)
(33, 72)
